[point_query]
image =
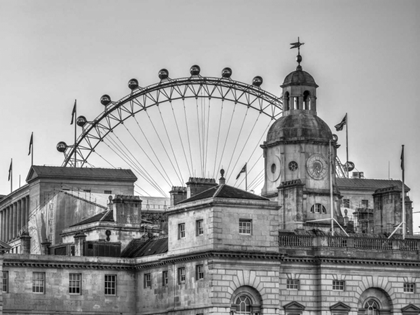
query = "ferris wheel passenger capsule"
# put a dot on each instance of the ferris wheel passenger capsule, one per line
(195, 70)
(105, 99)
(61, 146)
(163, 74)
(133, 84)
(257, 81)
(227, 72)
(81, 121)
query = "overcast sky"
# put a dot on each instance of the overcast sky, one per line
(362, 54)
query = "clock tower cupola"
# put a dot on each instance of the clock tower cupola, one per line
(297, 155)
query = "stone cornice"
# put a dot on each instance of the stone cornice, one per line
(349, 261)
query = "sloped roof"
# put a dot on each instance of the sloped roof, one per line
(38, 171)
(140, 247)
(4, 246)
(223, 191)
(368, 184)
(103, 216)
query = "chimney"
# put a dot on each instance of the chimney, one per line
(79, 242)
(45, 247)
(196, 185)
(127, 209)
(25, 243)
(178, 194)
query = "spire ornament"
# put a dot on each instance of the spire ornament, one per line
(298, 57)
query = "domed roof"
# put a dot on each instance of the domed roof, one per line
(299, 126)
(299, 77)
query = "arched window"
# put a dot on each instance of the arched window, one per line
(245, 300)
(371, 307)
(318, 208)
(296, 102)
(306, 100)
(287, 100)
(243, 305)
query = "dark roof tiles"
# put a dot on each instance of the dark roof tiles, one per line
(368, 184)
(145, 247)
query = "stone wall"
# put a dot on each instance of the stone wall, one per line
(56, 297)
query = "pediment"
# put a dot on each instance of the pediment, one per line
(294, 306)
(410, 309)
(340, 307)
(4, 247)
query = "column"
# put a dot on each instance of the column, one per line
(22, 216)
(1, 224)
(19, 217)
(8, 222)
(14, 220)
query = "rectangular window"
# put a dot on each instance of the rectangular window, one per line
(293, 284)
(110, 284)
(181, 275)
(199, 228)
(5, 284)
(338, 285)
(147, 280)
(181, 230)
(245, 226)
(346, 203)
(365, 203)
(409, 287)
(38, 282)
(108, 192)
(165, 278)
(75, 283)
(199, 272)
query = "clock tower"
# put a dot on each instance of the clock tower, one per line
(297, 155)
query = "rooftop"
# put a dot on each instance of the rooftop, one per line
(368, 184)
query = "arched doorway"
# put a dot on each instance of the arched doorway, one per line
(246, 300)
(375, 301)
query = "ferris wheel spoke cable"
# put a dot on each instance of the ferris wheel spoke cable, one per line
(163, 146)
(188, 136)
(255, 180)
(142, 171)
(167, 178)
(145, 192)
(180, 139)
(252, 167)
(199, 136)
(236, 142)
(227, 136)
(172, 149)
(217, 142)
(136, 166)
(207, 134)
(247, 140)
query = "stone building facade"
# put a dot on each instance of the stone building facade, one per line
(217, 249)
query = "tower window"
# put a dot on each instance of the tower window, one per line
(287, 100)
(318, 208)
(296, 102)
(306, 100)
(293, 166)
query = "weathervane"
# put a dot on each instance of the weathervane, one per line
(298, 57)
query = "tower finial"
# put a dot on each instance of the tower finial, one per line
(298, 57)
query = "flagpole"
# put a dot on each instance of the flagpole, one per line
(32, 149)
(11, 176)
(347, 145)
(75, 132)
(331, 191)
(246, 178)
(403, 194)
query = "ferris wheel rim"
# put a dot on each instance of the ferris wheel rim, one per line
(273, 107)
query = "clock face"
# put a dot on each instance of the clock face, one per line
(317, 166)
(274, 168)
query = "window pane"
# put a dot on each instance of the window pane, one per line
(5, 281)
(110, 284)
(38, 282)
(75, 283)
